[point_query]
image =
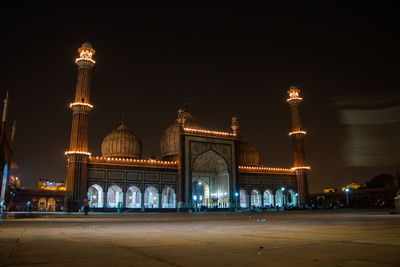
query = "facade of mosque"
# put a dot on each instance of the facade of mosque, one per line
(199, 167)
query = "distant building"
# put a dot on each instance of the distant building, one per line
(45, 184)
(352, 186)
(330, 190)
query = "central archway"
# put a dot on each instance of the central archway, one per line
(210, 181)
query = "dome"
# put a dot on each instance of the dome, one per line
(121, 143)
(87, 44)
(247, 154)
(169, 144)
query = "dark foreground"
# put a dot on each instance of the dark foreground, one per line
(295, 238)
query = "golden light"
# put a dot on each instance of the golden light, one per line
(262, 168)
(301, 168)
(294, 94)
(73, 152)
(80, 104)
(208, 132)
(86, 53)
(297, 132)
(141, 162)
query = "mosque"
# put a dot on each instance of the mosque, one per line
(199, 167)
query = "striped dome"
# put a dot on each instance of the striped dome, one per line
(122, 143)
(247, 154)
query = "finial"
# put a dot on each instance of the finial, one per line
(181, 116)
(186, 105)
(123, 118)
(235, 125)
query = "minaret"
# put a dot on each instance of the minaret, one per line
(4, 118)
(297, 133)
(78, 149)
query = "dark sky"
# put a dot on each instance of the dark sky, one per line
(225, 60)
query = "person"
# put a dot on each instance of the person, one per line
(86, 205)
(28, 206)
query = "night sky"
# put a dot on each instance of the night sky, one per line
(225, 60)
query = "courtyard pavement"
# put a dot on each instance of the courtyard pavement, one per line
(290, 238)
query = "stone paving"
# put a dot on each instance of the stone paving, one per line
(290, 238)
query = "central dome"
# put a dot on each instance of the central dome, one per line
(122, 143)
(169, 144)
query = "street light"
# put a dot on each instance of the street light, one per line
(283, 193)
(236, 195)
(347, 190)
(297, 199)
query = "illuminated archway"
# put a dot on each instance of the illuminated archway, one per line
(133, 197)
(95, 196)
(279, 198)
(114, 197)
(42, 204)
(151, 198)
(210, 180)
(255, 198)
(268, 198)
(243, 198)
(51, 204)
(168, 198)
(291, 199)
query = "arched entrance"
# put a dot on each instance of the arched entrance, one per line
(291, 198)
(151, 198)
(51, 204)
(268, 198)
(114, 197)
(255, 199)
(210, 181)
(279, 198)
(95, 196)
(168, 198)
(243, 198)
(42, 204)
(133, 197)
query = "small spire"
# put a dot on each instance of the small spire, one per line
(123, 118)
(181, 117)
(235, 125)
(186, 105)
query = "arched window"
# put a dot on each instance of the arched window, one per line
(133, 197)
(95, 196)
(243, 198)
(168, 198)
(268, 198)
(114, 197)
(151, 198)
(292, 198)
(255, 198)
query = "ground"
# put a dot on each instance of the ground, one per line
(290, 238)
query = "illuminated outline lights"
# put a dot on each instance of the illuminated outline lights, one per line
(297, 132)
(294, 98)
(199, 131)
(71, 152)
(140, 161)
(80, 104)
(256, 168)
(85, 55)
(301, 168)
